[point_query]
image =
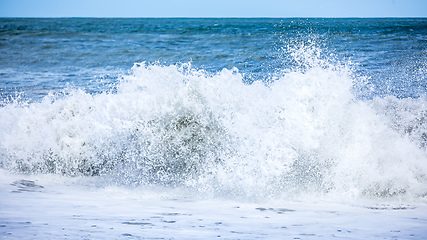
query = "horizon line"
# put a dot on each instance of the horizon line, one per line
(213, 17)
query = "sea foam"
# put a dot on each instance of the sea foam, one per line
(303, 132)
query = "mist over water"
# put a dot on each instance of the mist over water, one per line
(310, 123)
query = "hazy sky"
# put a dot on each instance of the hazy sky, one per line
(213, 8)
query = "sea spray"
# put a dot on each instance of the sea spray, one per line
(303, 132)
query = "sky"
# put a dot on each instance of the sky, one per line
(213, 8)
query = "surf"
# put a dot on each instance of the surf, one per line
(304, 132)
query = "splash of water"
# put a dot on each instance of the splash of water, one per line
(303, 133)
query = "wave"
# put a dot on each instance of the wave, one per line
(303, 132)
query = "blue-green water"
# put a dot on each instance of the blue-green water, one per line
(40, 55)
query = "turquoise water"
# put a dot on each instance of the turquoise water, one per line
(41, 55)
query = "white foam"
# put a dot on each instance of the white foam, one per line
(305, 134)
(47, 206)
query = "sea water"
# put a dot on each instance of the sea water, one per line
(213, 128)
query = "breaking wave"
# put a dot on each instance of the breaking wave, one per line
(303, 132)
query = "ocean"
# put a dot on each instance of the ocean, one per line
(213, 128)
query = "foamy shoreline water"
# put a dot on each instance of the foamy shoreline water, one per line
(32, 210)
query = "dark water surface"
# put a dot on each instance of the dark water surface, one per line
(41, 55)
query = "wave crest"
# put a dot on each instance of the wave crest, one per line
(304, 132)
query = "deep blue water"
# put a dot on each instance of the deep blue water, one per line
(42, 55)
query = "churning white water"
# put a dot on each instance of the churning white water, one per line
(304, 133)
